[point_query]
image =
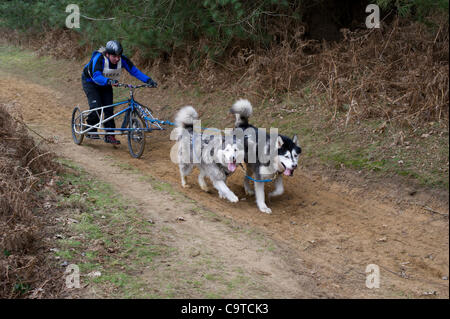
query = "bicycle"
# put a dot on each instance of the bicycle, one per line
(138, 120)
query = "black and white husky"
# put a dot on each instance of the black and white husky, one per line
(280, 153)
(215, 156)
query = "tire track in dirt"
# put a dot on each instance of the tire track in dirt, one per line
(327, 233)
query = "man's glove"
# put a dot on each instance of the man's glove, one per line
(112, 82)
(152, 83)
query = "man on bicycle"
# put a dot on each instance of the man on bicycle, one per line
(99, 75)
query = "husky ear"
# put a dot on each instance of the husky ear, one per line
(295, 139)
(279, 142)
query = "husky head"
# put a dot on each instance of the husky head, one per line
(288, 154)
(230, 156)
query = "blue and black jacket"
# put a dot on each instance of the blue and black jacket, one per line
(95, 68)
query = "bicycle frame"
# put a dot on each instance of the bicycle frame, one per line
(144, 112)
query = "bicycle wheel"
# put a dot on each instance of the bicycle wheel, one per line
(77, 126)
(136, 138)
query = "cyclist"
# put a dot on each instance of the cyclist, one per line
(99, 75)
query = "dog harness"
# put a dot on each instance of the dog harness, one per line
(256, 180)
(259, 181)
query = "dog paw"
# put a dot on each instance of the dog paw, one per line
(233, 198)
(204, 188)
(186, 186)
(266, 210)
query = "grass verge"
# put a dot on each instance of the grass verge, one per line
(106, 238)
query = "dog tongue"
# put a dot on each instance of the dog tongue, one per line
(231, 167)
(287, 172)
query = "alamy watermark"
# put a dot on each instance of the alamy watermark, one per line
(204, 145)
(373, 276)
(73, 276)
(73, 19)
(373, 19)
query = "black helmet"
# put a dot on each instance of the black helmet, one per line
(114, 47)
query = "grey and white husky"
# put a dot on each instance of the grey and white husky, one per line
(284, 160)
(215, 156)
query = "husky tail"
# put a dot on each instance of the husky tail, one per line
(185, 117)
(185, 120)
(242, 109)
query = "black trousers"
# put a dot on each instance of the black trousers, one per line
(99, 96)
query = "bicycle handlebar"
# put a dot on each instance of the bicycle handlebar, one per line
(131, 86)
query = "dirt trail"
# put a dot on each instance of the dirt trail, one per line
(326, 232)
